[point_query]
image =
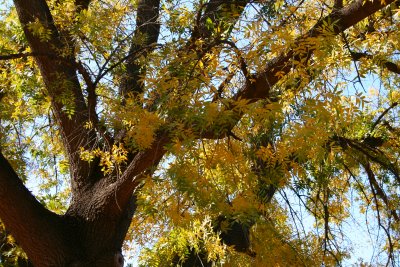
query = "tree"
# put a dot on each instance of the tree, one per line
(189, 123)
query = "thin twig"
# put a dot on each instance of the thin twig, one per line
(383, 114)
(23, 55)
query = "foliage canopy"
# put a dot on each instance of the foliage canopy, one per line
(203, 132)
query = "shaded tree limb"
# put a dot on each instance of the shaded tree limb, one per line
(82, 4)
(23, 55)
(217, 12)
(60, 78)
(146, 34)
(369, 147)
(379, 191)
(18, 205)
(390, 66)
(378, 120)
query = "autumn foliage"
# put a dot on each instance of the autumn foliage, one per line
(198, 133)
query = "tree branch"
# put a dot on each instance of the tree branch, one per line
(147, 28)
(117, 195)
(219, 12)
(264, 80)
(379, 191)
(17, 206)
(378, 120)
(60, 78)
(340, 20)
(369, 148)
(390, 66)
(82, 4)
(243, 64)
(22, 55)
(144, 42)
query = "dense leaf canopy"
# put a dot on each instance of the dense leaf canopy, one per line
(233, 132)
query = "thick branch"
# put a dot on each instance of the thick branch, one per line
(20, 55)
(119, 194)
(60, 78)
(146, 34)
(340, 20)
(82, 4)
(221, 13)
(29, 222)
(390, 66)
(275, 69)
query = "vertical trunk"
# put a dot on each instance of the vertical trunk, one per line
(100, 234)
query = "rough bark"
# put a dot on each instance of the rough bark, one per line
(33, 226)
(60, 78)
(147, 28)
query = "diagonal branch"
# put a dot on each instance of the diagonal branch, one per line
(62, 84)
(378, 120)
(119, 193)
(18, 205)
(21, 55)
(390, 66)
(369, 148)
(339, 20)
(379, 190)
(262, 82)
